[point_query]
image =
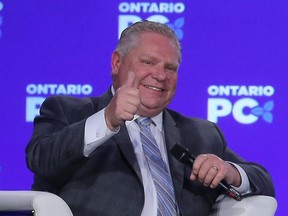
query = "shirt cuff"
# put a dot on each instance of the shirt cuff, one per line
(96, 132)
(245, 184)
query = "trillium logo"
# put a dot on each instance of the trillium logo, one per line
(265, 111)
(177, 27)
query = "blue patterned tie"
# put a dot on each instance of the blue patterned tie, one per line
(158, 168)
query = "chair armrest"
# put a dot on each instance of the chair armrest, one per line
(42, 203)
(248, 206)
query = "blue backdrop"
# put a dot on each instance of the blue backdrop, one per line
(234, 70)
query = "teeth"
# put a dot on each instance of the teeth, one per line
(153, 88)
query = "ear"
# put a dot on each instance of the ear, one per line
(115, 62)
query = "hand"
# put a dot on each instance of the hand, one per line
(124, 104)
(210, 170)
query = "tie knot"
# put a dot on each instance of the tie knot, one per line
(143, 121)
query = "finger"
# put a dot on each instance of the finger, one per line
(136, 83)
(209, 169)
(198, 163)
(131, 79)
(193, 177)
(211, 175)
(132, 106)
(221, 173)
(217, 179)
(204, 173)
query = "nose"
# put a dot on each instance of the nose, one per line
(159, 74)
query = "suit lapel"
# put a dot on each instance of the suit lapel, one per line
(124, 143)
(121, 138)
(104, 100)
(172, 136)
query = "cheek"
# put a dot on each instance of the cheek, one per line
(172, 81)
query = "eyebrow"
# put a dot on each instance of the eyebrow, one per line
(174, 64)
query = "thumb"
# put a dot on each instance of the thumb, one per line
(131, 80)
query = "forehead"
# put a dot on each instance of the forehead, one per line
(154, 37)
(157, 44)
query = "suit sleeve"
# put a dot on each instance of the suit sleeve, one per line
(56, 148)
(259, 178)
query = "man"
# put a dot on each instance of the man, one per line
(91, 153)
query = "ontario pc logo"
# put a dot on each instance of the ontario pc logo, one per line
(37, 93)
(241, 103)
(131, 12)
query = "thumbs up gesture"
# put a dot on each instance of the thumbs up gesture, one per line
(124, 104)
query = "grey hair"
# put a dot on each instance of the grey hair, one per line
(129, 36)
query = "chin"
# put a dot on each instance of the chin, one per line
(152, 108)
(152, 105)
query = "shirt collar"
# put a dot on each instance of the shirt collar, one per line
(158, 120)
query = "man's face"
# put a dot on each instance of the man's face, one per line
(155, 62)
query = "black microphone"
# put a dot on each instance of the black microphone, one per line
(183, 155)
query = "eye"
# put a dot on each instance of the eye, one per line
(172, 68)
(147, 62)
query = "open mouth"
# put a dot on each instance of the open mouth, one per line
(153, 88)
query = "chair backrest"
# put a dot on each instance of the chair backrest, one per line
(41, 203)
(48, 204)
(249, 206)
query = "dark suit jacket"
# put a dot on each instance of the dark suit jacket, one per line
(109, 182)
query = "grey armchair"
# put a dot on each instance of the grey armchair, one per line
(249, 206)
(48, 204)
(40, 203)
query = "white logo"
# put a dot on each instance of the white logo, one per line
(38, 92)
(152, 11)
(245, 109)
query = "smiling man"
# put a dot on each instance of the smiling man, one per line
(145, 78)
(110, 155)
